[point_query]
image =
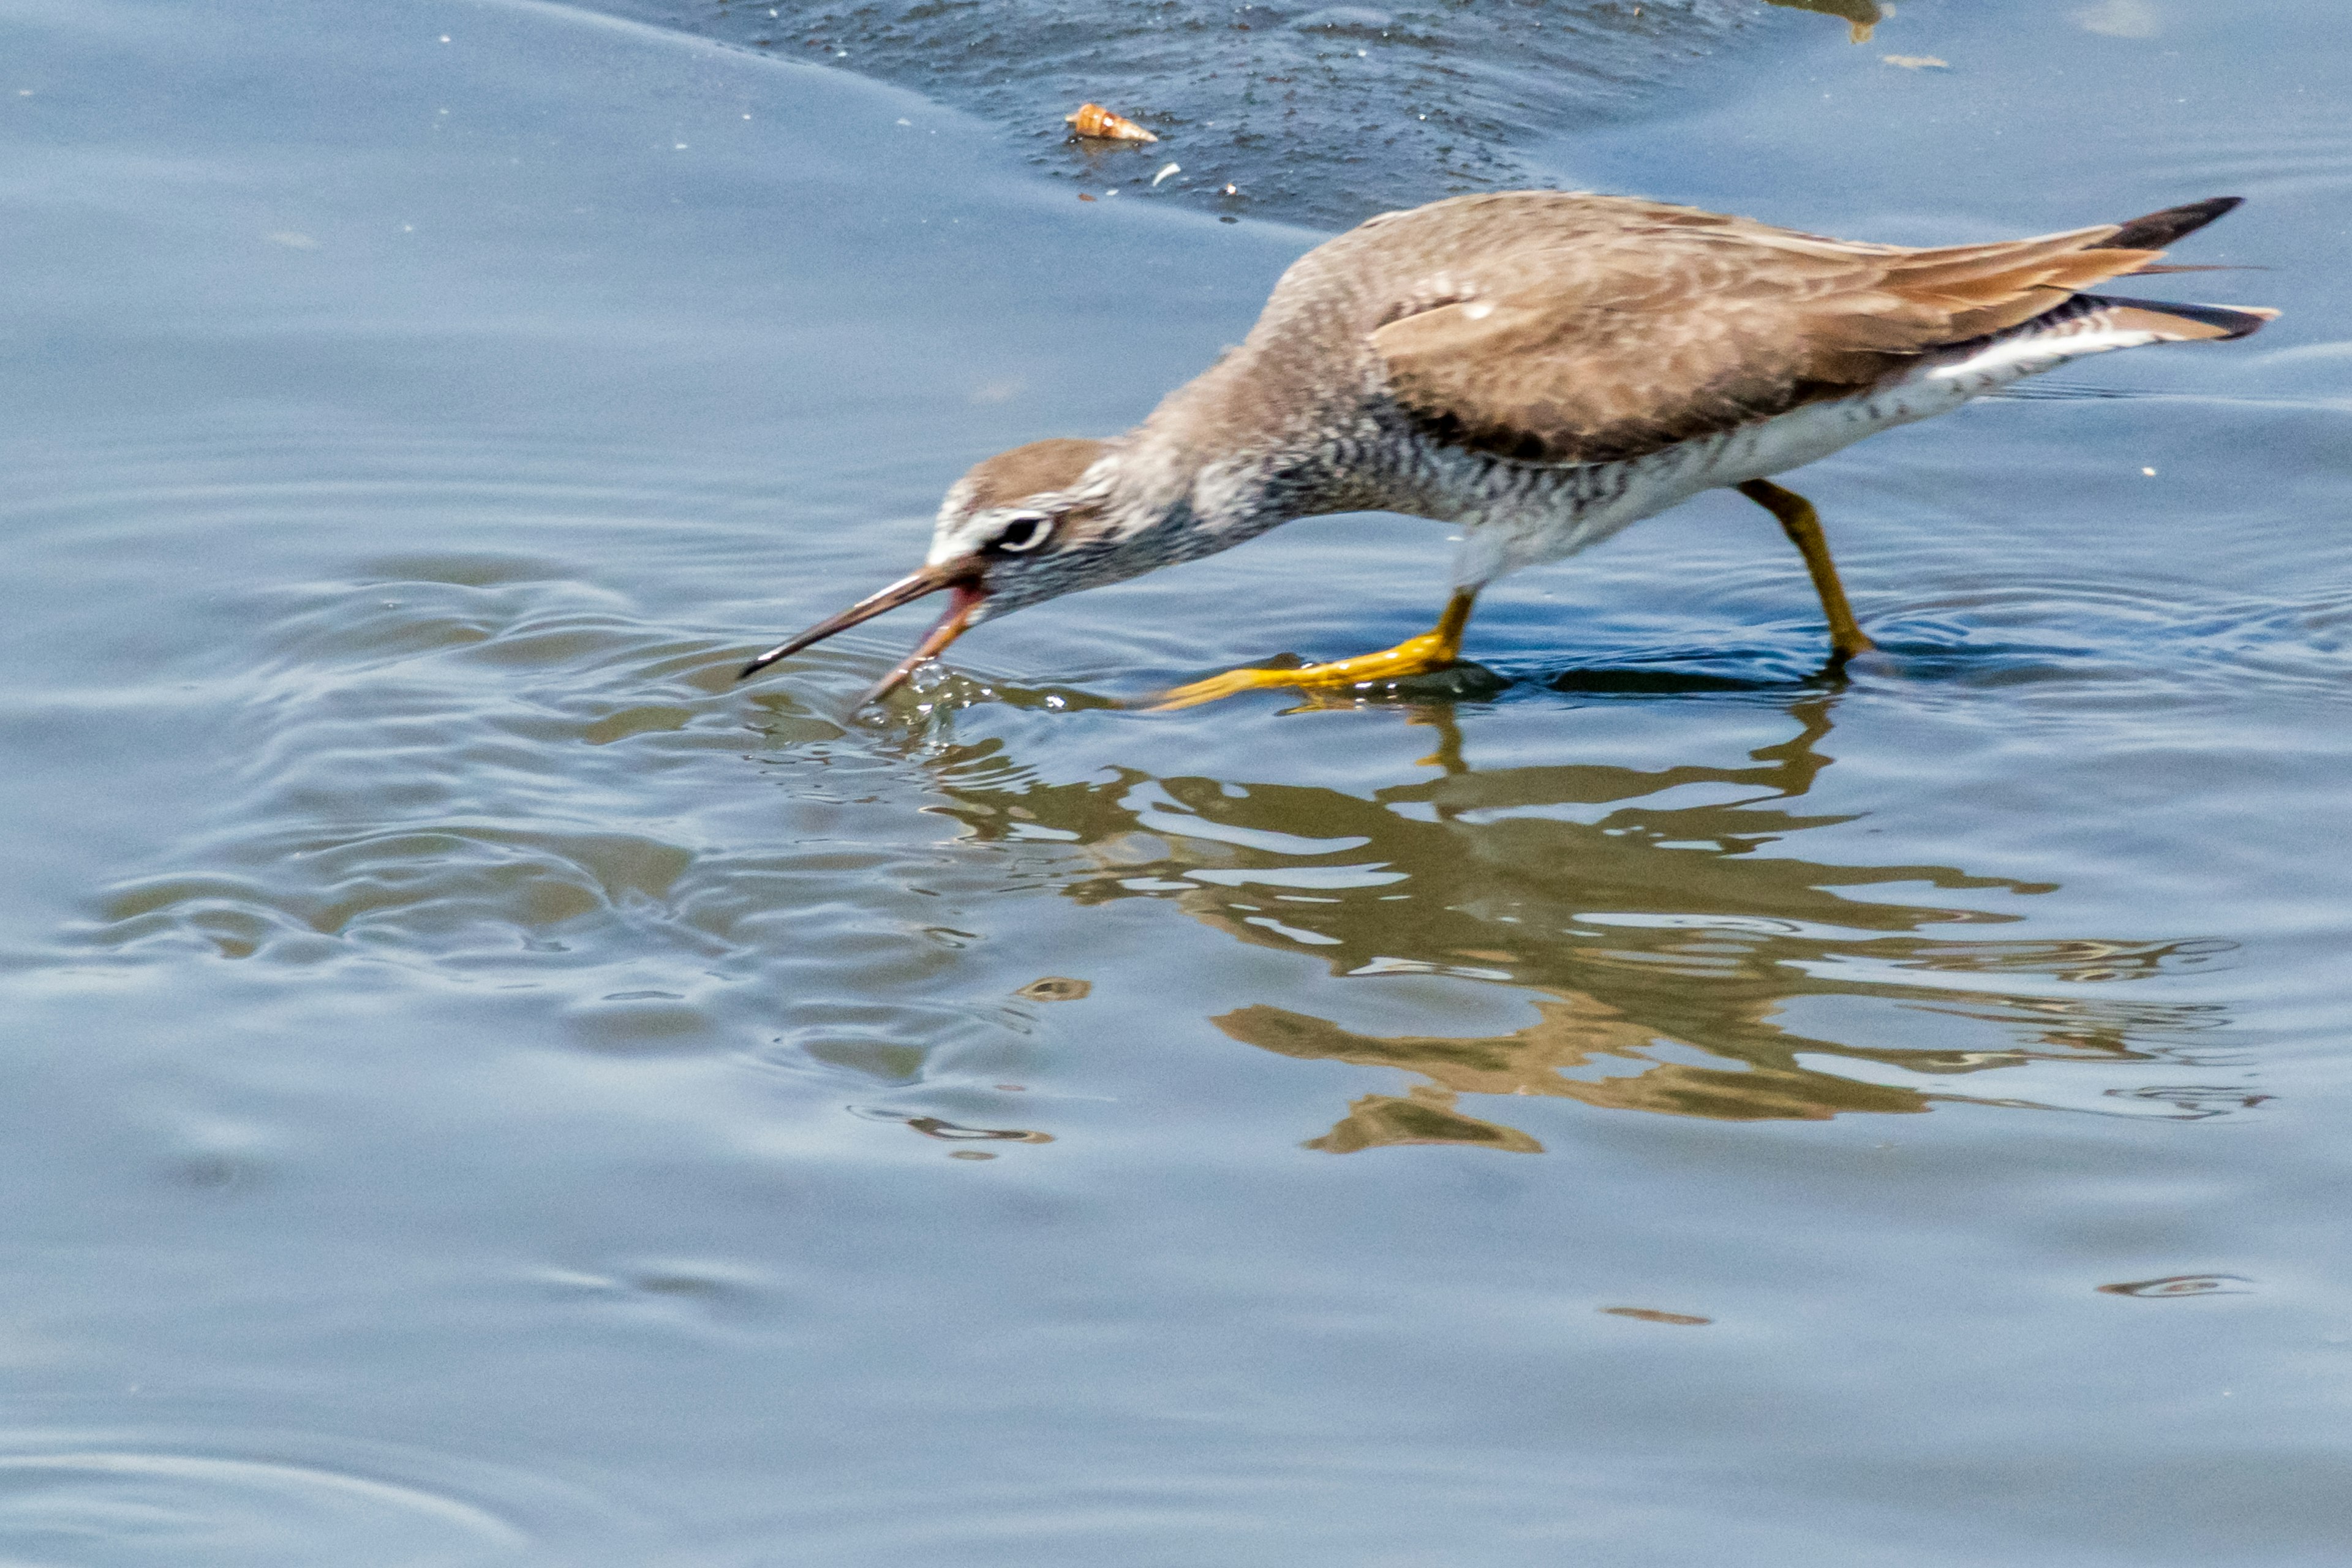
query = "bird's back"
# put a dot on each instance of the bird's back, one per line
(1555, 327)
(1474, 338)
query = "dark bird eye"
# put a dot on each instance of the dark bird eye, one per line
(1021, 533)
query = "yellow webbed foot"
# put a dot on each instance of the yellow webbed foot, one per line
(1432, 650)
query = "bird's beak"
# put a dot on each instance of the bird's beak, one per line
(961, 579)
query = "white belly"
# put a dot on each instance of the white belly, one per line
(1559, 511)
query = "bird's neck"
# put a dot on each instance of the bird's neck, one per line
(1231, 453)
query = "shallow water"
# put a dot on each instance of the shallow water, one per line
(1314, 113)
(485, 1089)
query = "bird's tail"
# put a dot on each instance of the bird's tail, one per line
(2158, 230)
(2171, 322)
(2174, 323)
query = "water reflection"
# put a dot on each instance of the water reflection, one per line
(951, 1132)
(155, 1495)
(1316, 114)
(1678, 958)
(1056, 988)
(1654, 1315)
(1861, 16)
(2176, 1285)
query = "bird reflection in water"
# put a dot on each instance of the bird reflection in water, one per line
(1861, 16)
(1673, 964)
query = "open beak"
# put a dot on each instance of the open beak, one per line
(958, 579)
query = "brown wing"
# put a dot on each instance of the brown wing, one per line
(1582, 348)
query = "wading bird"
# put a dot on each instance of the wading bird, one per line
(1539, 369)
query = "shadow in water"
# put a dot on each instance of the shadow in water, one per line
(1677, 957)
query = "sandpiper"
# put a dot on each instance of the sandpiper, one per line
(1539, 369)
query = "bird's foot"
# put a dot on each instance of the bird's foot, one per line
(1847, 644)
(1423, 654)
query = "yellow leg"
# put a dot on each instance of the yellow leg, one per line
(1803, 527)
(1433, 649)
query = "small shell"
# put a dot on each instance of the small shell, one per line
(1094, 120)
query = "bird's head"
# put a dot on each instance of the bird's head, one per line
(1021, 527)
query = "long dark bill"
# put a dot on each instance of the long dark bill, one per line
(960, 581)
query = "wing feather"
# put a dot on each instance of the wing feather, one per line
(1647, 325)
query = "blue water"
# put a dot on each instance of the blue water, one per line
(485, 1089)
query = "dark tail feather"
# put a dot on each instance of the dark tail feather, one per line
(2181, 322)
(2158, 230)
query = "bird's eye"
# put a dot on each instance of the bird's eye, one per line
(1022, 534)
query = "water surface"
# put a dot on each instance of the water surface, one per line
(486, 1089)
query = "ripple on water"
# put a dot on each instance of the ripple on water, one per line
(1670, 967)
(481, 766)
(948, 1131)
(2117, 643)
(447, 895)
(150, 1502)
(2174, 1286)
(693, 1296)
(556, 800)
(1316, 114)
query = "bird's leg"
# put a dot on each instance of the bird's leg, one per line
(1433, 649)
(1803, 527)
(1439, 716)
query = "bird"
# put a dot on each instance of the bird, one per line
(1540, 370)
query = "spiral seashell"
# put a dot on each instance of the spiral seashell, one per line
(1094, 120)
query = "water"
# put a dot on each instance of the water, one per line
(1317, 113)
(484, 1088)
